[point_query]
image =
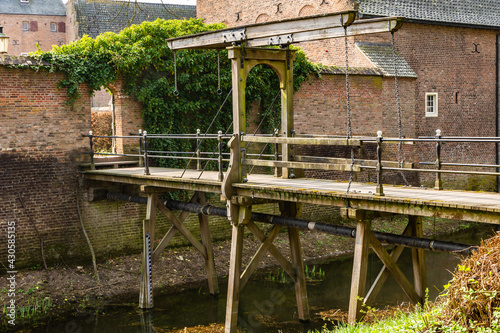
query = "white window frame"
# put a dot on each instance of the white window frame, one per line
(435, 107)
(25, 1)
(27, 26)
(53, 24)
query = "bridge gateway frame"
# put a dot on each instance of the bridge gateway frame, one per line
(242, 44)
(244, 49)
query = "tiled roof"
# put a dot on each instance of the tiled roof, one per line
(33, 7)
(96, 17)
(381, 55)
(470, 12)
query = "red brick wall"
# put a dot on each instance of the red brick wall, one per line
(41, 146)
(25, 41)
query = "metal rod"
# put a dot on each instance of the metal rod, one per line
(145, 141)
(463, 165)
(92, 165)
(407, 241)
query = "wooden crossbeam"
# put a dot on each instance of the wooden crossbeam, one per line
(384, 272)
(273, 250)
(182, 229)
(264, 247)
(226, 37)
(171, 233)
(359, 162)
(363, 27)
(396, 272)
(302, 141)
(302, 165)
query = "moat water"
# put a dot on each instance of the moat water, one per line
(265, 306)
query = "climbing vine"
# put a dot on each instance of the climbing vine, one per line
(140, 55)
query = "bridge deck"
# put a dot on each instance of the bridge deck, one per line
(461, 205)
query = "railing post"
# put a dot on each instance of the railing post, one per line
(379, 190)
(145, 140)
(92, 165)
(198, 152)
(438, 185)
(141, 158)
(219, 140)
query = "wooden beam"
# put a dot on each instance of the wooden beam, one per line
(384, 273)
(302, 141)
(182, 229)
(225, 37)
(213, 285)
(233, 289)
(393, 269)
(146, 288)
(171, 233)
(336, 160)
(302, 165)
(273, 250)
(418, 259)
(361, 27)
(300, 281)
(254, 262)
(359, 270)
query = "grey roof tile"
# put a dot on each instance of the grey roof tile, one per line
(33, 7)
(470, 12)
(381, 55)
(96, 17)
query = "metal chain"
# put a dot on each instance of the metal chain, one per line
(348, 100)
(219, 91)
(176, 91)
(398, 102)
(348, 93)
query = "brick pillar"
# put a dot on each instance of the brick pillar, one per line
(128, 118)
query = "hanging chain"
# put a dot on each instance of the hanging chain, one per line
(398, 102)
(347, 86)
(176, 91)
(348, 100)
(219, 91)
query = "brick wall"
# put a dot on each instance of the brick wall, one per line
(39, 31)
(40, 147)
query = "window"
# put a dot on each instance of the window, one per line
(431, 104)
(53, 27)
(26, 26)
(25, 1)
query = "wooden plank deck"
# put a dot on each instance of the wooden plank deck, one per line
(460, 205)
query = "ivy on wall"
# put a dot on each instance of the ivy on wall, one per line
(140, 55)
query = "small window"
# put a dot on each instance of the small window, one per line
(25, 1)
(53, 27)
(431, 104)
(26, 26)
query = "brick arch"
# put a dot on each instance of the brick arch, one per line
(262, 18)
(307, 10)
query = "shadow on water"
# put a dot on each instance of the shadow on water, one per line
(265, 306)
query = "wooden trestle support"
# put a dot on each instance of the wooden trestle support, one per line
(366, 239)
(150, 257)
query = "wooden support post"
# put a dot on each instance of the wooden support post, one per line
(233, 289)
(359, 270)
(146, 290)
(287, 127)
(292, 209)
(300, 281)
(213, 285)
(418, 259)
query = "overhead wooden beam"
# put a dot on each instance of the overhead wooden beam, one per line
(362, 27)
(226, 37)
